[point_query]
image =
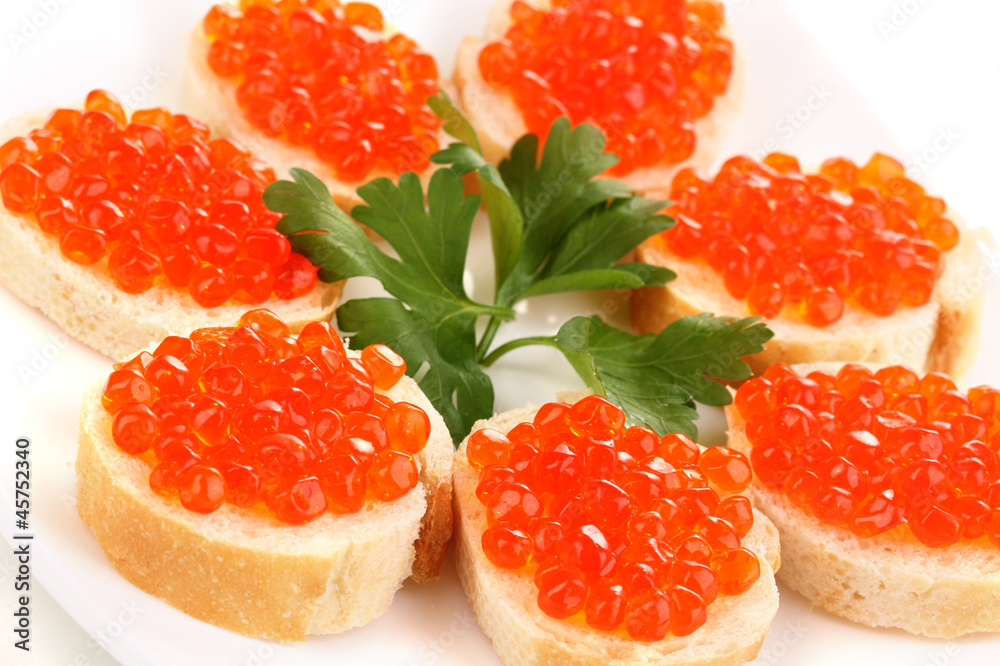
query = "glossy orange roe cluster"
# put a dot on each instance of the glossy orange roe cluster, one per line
(807, 245)
(873, 451)
(641, 70)
(619, 528)
(318, 74)
(258, 418)
(162, 200)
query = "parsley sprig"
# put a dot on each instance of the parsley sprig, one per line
(555, 227)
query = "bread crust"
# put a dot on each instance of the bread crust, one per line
(86, 302)
(889, 580)
(505, 606)
(214, 100)
(242, 569)
(498, 121)
(940, 335)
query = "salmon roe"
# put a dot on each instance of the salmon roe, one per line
(161, 200)
(256, 417)
(872, 451)
(810, 245)
(319, 74)
(642, 70)
(619, 528)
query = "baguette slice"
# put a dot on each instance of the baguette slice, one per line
(890, 580)
(87, 303)
(940, 335)
(213, 99)
(242, 569)
(498, 122)
(505, 602)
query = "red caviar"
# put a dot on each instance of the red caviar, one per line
(642, 70)
(159, 197)
(318, 73)
(811, 245)
(872, 451)
(252, 416)
(616, 525)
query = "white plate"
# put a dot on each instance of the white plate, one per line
(430, 624)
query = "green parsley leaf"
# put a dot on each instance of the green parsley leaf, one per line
(444, 346)
(506, 222)
(574, 225)
(455, 122)
(307, 208)
(602, 236)
(554, 229)
(438, 326)
(657, 378)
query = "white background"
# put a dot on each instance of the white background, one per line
(927, 69)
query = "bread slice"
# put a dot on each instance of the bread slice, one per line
(213, 99)
(940, 335)
(890, 580)
(242, 569)
(499, 123)
(505, 602)
(86, 302)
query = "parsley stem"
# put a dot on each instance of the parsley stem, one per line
(484, 344)
(492, 357)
